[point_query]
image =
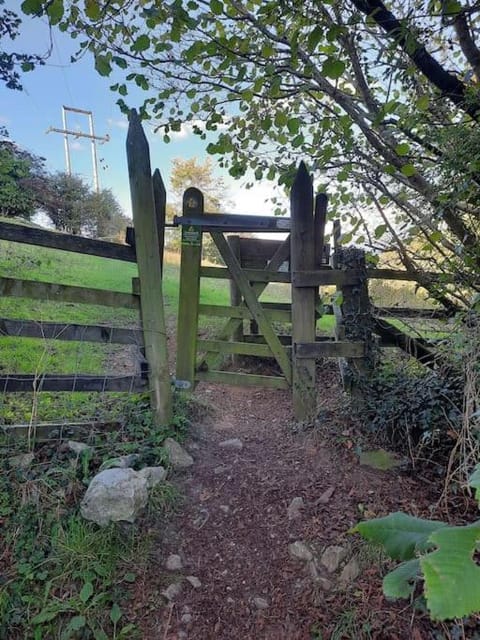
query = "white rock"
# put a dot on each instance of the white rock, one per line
(179, 458)
(349, 574)
(260, 603)
(78, 447)
(174, 562)
(300, 551)
(186, 618)
(194, 581)
(332, 557)
(295, 507)
(234, 443)
(21, 461)
(172, 591)
(114, 495)
(153, 475)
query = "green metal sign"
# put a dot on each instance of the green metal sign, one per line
(192, 235)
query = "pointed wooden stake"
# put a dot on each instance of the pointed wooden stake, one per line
(149, 270)
(303, 299)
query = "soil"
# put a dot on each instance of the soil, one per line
(233, 531)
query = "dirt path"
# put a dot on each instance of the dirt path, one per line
(234, 529)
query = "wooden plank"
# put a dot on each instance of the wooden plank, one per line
(242, 379)
(281, 254)
(235, 295)
(407, 312)
(65, 242)
(77, 332)
(160, 204)
(416, 347)
(45, 431)
(189, 296)
(302, 238)
(284, 339)
(397, 274)
(320, 219)
(224, 311)
(331, 349)
(149, 271)
(257, 252)
(253, 304)
(228, 222)
(240, 348)
(17, 288)
(253, 275)
(324, 277)
(16, 382)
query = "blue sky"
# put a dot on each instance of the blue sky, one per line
(29, 114)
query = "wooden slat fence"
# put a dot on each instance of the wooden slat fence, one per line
(302, 261)
(148, 206)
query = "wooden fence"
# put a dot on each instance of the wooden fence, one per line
(303, 261)
(148, 206)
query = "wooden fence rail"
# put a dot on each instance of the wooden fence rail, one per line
(148, 207)
(65, 242)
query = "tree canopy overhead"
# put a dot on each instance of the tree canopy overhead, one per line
(382, 99)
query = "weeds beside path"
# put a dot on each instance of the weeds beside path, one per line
(234, 530)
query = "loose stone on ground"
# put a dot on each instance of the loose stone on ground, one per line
(300, 551)
(178, 457)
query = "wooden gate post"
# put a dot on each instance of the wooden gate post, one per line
(302, 256)
(160, 200)
(235, 295)
(149, 270)
(355, 318)
(189, 296)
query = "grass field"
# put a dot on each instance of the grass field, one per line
(27, 355)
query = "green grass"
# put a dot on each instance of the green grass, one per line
(25, 355)
(61, 573)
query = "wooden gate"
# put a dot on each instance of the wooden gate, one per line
(199, 359)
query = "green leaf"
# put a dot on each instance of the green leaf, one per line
(400, 583)
(102, 65)
(333, 68)
(46, 615)
(30, 7)
(115, 613)
(474, 482)
(75, 624)
(216, 7)
(142, 43)
(86, 592)
(92, 9)
(293, 125)
(55, 11)
(452, 578)
(403, 536)
(380, 231)
(130, 577)
(314, 37)
(402, 149)
(408, 170)
(422, 103)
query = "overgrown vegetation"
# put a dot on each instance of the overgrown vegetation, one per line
(439, 556)
(64, 577)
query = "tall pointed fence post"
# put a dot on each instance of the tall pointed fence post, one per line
(149, 270)
(189, 296)
(302, 256)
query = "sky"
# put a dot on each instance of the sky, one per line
(29, 114)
